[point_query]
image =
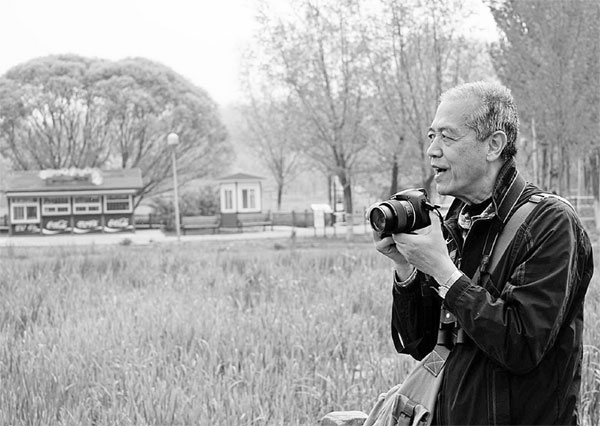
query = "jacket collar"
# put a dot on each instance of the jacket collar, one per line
(507, 190)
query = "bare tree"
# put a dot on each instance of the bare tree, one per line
(416, 52)
(319, 56)
(275, 133)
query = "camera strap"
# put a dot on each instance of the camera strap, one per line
(500, 235)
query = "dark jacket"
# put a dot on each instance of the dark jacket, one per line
(521, 360)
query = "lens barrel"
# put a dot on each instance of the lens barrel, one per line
(393, 217)
(381, 218)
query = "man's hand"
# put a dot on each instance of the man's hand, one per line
(387, 247)
(426, 250)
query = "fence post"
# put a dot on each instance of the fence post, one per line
(293, 219)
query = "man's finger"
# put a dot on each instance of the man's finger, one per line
(385, 242)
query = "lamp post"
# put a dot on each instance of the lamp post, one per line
(172, 141)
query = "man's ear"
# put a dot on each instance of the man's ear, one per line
(496, 143)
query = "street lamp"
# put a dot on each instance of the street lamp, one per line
(172, 141)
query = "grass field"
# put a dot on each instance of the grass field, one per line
(245, 333)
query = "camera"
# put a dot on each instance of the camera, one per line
(404, 212)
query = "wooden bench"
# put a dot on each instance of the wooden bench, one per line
(194, 223)
(247, 220)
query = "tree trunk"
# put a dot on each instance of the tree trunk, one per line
(279, 196)
(346, 184)
(394, 185)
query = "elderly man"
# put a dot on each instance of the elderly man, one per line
(517, 357)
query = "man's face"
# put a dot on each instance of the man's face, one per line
(459, 160)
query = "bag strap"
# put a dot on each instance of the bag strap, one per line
(508, 233)
(501, 243)
(514, 223)
(502, 240)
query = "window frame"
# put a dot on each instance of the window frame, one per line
(251, 194)
(108, 199)
(51, 209)
(228, 198)
(248, 199)
(87, 205)
(25, 203)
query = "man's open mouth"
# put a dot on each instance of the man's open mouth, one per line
(439, 170)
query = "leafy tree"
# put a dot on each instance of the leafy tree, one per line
(69, 111)
(48, 118)
(549, 56)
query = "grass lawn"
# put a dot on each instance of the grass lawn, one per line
(239, 333)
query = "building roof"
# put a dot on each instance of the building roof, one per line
(45, 181)
(240, 177)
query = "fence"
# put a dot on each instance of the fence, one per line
(303, 219)
(150, 221)
(300, 219)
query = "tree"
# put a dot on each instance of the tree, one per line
(548, 55)
(69, 111)
(274, 129)
(48, 118)
(416, 52)
(318, 56)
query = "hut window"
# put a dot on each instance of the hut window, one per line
(86, 205)
(248, 199)
(117, 204)
(56, 206)
(24, 210)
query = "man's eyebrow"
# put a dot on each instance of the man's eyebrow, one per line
(441, 129)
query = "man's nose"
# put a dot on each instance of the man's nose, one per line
(434, 149)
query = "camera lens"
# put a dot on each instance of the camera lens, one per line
(406, 221)
(405, 211)
(393, 216)
(380, 217)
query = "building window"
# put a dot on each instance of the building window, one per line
(24, 210)
(87, 205)
(56, 206)
(248, 199)
(228, 199)
(117, 204)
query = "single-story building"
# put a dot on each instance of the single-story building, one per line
(240, 195)
(72, 200)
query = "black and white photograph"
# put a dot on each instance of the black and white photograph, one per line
(299, 212)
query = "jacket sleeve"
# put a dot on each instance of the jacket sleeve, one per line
(415, 317)
(545, 270)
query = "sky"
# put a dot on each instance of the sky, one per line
(199, 39)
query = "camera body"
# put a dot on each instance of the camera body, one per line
(404, 212)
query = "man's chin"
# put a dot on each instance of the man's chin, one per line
(441, 189)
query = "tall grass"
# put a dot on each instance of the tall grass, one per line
(245, 333)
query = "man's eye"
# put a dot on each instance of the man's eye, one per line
(448, 137)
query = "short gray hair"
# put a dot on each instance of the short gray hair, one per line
(497, 111)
